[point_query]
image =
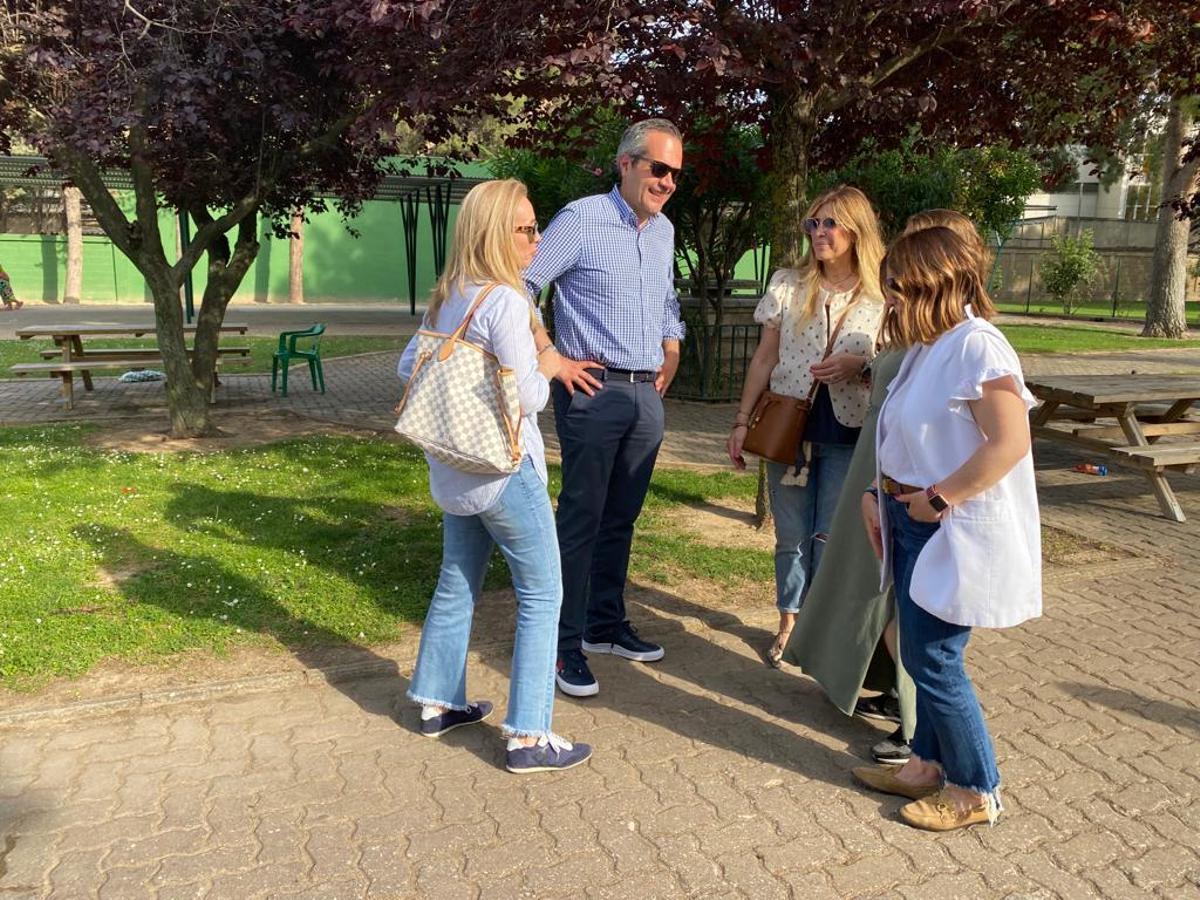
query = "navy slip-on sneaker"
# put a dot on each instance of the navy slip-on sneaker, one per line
(456, 718)
(626, 644)
(573, 676)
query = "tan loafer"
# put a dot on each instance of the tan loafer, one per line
(883, 778)
(939, 813)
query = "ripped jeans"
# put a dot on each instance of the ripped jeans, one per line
(950, 726)
(803, 515)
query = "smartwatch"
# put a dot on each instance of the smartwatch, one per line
(936, 500)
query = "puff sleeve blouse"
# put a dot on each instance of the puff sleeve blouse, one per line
(802, 341)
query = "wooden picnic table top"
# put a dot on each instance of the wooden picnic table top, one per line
(99, 330)
(1097, 390)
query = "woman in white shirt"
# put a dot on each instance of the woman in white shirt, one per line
(837, 285)
(495, 238)
(953, 517)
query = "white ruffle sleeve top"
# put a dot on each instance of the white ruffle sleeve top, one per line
(983, 566)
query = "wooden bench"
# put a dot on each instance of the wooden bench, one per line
(66, 370)
(1180, 457)
(1154, 430)
(125, 353)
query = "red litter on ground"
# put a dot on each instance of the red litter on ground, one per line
(1092, 469)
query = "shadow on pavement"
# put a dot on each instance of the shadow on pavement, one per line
(1173, 715)
(714, 675)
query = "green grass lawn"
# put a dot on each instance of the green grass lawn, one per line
(1069, 338)
(1133, 312)
(261, 348)
(315, 541)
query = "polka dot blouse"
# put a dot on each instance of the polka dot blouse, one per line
(802, 343)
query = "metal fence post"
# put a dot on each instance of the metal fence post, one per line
(1029, 290)
(409, 211)
(1116, 287)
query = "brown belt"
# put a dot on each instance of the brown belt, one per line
(894, 488)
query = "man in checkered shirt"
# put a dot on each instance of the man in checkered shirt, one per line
(617, 327)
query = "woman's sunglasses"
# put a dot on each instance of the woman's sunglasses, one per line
(812, 226)
(660, 169)
(530, 231)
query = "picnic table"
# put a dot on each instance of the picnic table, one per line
(72, 356)
(1146, 408)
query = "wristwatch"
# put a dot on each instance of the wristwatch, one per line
(936, 500)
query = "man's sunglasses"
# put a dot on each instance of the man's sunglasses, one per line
(812, 226)
(660, 169)
(530, 231)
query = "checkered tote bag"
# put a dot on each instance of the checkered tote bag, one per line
(460, 405)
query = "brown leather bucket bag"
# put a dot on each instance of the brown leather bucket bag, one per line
(777, 423)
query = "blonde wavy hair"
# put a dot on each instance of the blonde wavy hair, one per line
(960, 225)
(935, 273)
(851, 209)
(482, 249)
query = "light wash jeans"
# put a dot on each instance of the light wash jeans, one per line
(950, 728)
(803, 515)
(521, 523)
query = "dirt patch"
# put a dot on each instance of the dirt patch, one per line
(239, 429)
(706, 595)
(1066, 549)
(114, 576)
(727, 523)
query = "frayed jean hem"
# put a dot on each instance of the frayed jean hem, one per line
(509, 732)
(430, 701)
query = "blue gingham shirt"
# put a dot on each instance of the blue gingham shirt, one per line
(615, 300)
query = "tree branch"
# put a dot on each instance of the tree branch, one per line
(900, 61)
(211, 228)
(87, 177)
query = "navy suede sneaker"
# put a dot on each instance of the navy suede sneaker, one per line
(625, 643)
(893, 749)
(456, 718)
(573, 676)
(551, 753)
(883, 708)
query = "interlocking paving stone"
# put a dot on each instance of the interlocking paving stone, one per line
(714, 775)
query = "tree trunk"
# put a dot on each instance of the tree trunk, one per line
(296, 260)
(1165, 314)
(73, 213)
(789, 140)
(225, 272)
(762, 498)
(187, 401)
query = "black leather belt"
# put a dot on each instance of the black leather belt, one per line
(622, 375)
(894, 488)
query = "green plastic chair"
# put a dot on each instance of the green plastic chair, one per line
(287, 352)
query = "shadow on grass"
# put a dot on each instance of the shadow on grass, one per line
(255, 611)
(394, 552)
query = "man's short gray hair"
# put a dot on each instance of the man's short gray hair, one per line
(633, 141)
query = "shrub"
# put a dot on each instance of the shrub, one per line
(1070, 268)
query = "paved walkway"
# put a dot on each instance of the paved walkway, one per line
(714, 776)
